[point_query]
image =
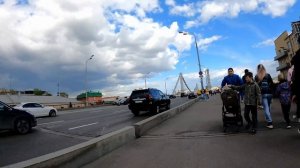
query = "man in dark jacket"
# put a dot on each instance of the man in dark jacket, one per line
(232, 79)
(296, 83)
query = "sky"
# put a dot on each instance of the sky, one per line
(47, 44)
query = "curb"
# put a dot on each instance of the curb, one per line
(143, 126)
(82, 153)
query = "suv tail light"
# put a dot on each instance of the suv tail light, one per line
(148, 96)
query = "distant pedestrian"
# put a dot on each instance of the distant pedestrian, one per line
(231, 79)
(252, 101)
(265, 82)
(244, 81)
(283, 90)
(70, 105)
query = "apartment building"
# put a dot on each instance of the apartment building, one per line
(286, 46)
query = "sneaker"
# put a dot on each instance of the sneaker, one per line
(270, 126)
(299, 130)
(298, 120)
(294, 116)
(253, 131)
(247, 126)
(288, 127)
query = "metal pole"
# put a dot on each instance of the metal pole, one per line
(200, 71)
(86, 98)
(86, 83)
(166, 86)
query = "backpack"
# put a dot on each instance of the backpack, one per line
(264, 86)
(285, 93)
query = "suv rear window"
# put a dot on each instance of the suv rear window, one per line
(139, 93)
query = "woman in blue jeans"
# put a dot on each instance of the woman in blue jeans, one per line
(265, 82)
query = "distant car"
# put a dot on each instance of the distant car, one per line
(172, 96)
(121, 101)
(36, 109)
(183, 95)
(14, 119)
(151, 99)
(192, 95)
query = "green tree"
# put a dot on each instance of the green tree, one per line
(64, 94)
(38, 92)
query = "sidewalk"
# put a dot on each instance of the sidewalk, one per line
(194, 139)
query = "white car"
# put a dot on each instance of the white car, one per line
(36, 109)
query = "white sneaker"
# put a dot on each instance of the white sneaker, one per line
(299, 130)
(288, 127)
(298, 120)
(270, 126)
(294, 116)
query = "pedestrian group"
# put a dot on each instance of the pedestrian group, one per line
(257, 93)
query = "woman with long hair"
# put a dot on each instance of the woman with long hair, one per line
(265, 82)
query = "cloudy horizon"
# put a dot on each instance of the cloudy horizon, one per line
(44, 43)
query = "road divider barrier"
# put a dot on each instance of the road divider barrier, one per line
(87, 152)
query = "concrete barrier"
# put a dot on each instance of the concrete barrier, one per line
(143, 126)
(83, 153)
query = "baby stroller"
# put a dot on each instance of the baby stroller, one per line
(231, 109)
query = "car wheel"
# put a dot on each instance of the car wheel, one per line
(155, 109)
(22, 126)
(135, 112)
(52, 113)
(168, 106)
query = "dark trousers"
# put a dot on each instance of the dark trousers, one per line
(298, 106)
(286, 112)
(253, 110)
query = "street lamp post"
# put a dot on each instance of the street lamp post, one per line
(86, 98)
(166, 85)
(200, 71)
(146, 79)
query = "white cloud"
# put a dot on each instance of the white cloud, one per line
(276, 8)
(184, 10)
(205, 42)
(170, 2)
(52, 39)
(268, 42)
(208, 10)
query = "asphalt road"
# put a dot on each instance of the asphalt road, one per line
(67, 129)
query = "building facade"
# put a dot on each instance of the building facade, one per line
(92, 98)
(286, 46)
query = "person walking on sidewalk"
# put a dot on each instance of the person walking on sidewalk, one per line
(252, 99)
(265, 82)
(296, 83)
(283, 90)
(244, 81)
(231, 79)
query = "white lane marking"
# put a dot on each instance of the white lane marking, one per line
(54, 122)
(95, 111)
(83, 126)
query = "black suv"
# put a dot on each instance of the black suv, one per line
(152, 100)
(13, 119)
(192, 95)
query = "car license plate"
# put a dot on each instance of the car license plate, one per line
(138, 101)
